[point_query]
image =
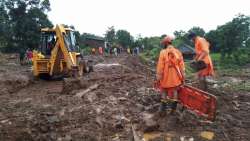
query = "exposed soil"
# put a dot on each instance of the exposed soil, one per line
(105, 104)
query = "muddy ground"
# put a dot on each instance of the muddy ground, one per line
(116, 102)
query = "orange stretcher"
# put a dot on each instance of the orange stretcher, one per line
(200, 102)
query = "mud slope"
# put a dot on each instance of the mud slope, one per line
(105, 104)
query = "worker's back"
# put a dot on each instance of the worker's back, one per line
(171, 65)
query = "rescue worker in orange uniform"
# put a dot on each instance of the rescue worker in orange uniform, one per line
(202, 54)
(170, 74)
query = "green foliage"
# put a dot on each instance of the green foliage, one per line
(78, 37)
(189, 71)
(198, 31)
(110, 34)
(230, 63)
(152, 54)
(22, 23)
(212, 37)
(152, 42)
(86, 50)
(230, 37)
(138, 41)
(181, 38)
(124, 38)
(4, 26)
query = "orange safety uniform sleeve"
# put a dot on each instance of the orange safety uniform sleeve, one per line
(181, 62)
(161, 64)
(202, 46)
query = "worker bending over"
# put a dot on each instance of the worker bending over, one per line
(170, 74)
(202, 54)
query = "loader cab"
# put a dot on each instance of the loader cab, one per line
(48, 41)
(70, 41)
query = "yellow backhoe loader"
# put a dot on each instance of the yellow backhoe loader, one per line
(58, 54)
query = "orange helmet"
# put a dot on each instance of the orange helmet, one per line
(166, 40)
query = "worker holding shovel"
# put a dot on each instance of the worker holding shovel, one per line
(170, 74)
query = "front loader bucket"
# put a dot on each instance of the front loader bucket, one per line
(198, 101)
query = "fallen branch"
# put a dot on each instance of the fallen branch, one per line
(81, 94)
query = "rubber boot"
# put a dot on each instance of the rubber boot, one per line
(173, 107)
(163, 105)
(203, 83)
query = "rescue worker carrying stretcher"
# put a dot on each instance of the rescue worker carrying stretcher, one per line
(170, 74)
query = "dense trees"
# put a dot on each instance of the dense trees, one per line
(124, 38)
(110, 34)
(121, 37)
(21, 21)
(197, 30)
(232, 36)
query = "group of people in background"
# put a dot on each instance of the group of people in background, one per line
(116, 50)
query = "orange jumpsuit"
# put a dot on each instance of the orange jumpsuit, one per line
(201, 45)
(170, 67)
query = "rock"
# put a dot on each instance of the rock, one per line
(225, 85)
(184, 138)
(67, 138)
(4, 91)
(150, 123)
(142, 90)
(215, 86)
(4, 121)
(153, 136)
(53, 119)
(52, 136)
(62, 112)
(140, 106)
(99, 121)
(116, 138)
(119, 125)
(70, 84)
(207, 135)
(44, 129)
(91, 97)
(122, 99)
(212, 81)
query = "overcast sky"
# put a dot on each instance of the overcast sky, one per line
(145, 17)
